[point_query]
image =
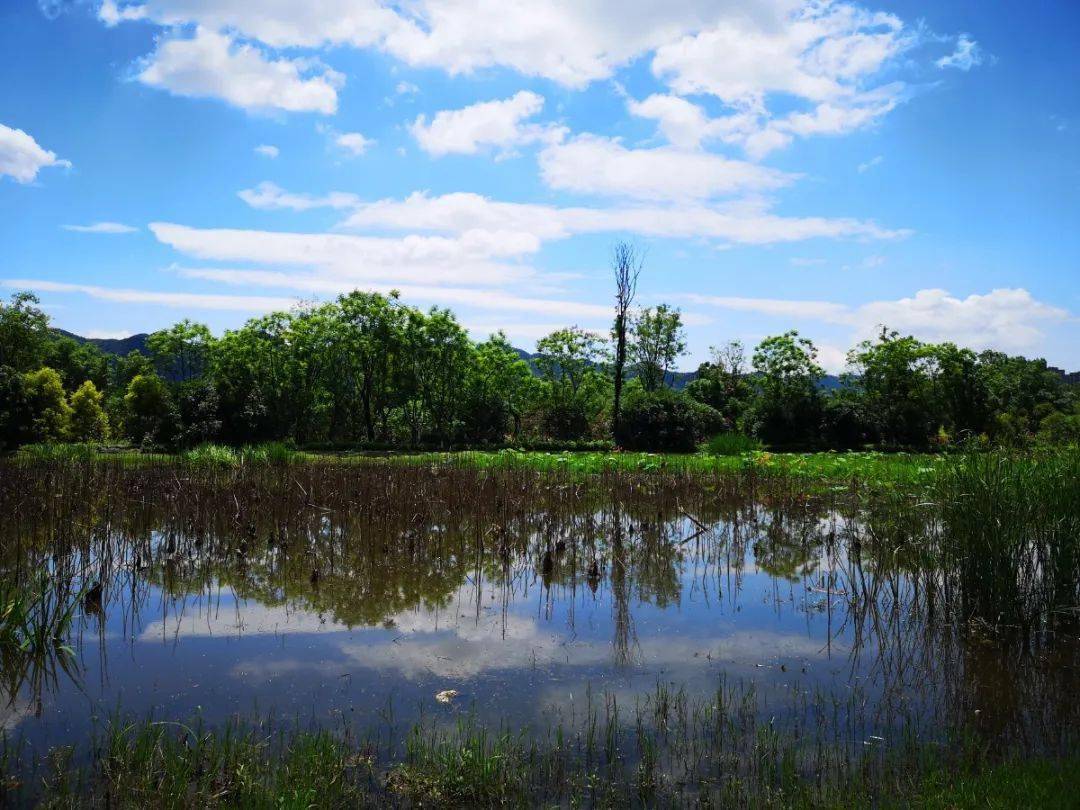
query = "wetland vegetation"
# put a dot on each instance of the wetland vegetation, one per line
(267, 629)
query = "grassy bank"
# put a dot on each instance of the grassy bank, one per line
(173, 765)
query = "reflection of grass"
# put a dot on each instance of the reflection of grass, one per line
(34, 623)
(174, 765)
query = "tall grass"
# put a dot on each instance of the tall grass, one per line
(1008, 531)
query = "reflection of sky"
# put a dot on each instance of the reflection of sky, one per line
(518, 657)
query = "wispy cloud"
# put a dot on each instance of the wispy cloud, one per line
(102, 227)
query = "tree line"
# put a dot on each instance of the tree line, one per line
(367, 370)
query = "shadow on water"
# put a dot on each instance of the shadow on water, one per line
(349, 597)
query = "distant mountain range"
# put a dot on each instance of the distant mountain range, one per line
(121, 346)
(676, 379)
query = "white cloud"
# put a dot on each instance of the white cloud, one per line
(266, 150)
(102, 227)
(21, 158)
(1007, 319)
(866, 166)
(488, 124)
(406, 89)
(269, 197)
(354, 143)
(211, 65)
(593, 164)
(816, 51)
(473, 257)
(461, 212)
(967, 55)
(800, 261)
(178, 300)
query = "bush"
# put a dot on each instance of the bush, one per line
(657, 420)
(566, 420)
(731, 444)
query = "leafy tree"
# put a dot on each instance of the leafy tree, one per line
(51, 414)
(787, 409)
(77, 362)
(24, 333)
(16, 416)
(182, 351)
(568, 356)
(88, 420)
(197, 406)
(502, 389)
(148, 410)
(894, 374)
(659, 340)
(722, 383)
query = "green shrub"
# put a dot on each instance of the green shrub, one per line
(731, 444)
(659, 421)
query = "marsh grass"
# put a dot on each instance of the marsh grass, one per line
(176, 765)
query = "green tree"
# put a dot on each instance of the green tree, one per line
(659, 340)
(51, 414)
(16, 416)
(182, 351)
(503, 388)
(894, 376)
(722, 383)
(24, 333)
(88, 420)
(787, 408)
(570, 362)
(148, 410)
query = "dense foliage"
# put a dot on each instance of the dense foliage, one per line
(368, 370)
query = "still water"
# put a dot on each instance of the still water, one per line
(521, 602)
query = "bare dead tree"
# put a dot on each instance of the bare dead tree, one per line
(626, 262)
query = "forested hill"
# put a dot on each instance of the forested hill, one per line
(120, 346)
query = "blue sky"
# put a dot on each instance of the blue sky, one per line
(826, 166)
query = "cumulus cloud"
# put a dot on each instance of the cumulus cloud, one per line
(212, 65)
(489, 124)
(354, 143)
(593, 164)
(967, 55)
(21, 158)
(102, 227)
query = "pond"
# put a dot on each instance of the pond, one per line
(368, 600)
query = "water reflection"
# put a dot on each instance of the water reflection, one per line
(360, 615)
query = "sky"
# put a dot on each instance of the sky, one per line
(827, 166)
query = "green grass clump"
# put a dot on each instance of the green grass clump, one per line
(270, 453)
(211, 456)
(731, 444)
(59, 453)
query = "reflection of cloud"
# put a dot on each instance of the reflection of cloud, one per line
(244, 618)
